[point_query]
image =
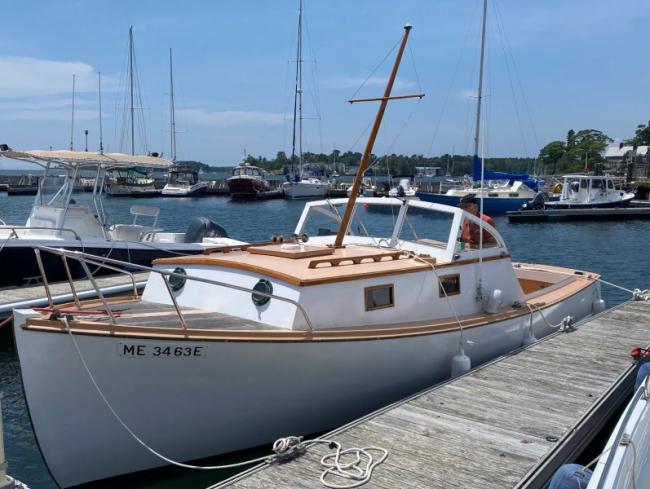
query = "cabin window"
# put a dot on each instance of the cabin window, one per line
(493, 195)
(610, 184)
(449, 285)
(177, 281)
(513, 195)
(379, 297)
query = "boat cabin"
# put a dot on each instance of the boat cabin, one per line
(246, 170)
(588, 189)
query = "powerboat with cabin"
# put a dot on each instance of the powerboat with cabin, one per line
(404, 190)
(183, 181)
(80, 223)
(247, 181)
(356, 310)
(304, 187)
(590, 192)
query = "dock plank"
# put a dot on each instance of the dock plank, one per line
(501, 425)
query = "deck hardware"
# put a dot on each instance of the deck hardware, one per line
(264, 286)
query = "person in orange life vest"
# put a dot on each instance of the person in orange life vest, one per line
(471, 231)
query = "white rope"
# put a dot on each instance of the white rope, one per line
(358, 471)
(566, 324)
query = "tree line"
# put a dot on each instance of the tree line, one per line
(580, 149)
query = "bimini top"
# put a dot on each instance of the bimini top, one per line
(85, 158)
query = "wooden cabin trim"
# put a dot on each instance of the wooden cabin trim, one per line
(394, 331)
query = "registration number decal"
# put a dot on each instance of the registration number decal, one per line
(160, 351)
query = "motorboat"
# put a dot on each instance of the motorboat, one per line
(403, 190)
(247, 181)
(241, 345)
(183, 181)
(589, 192)
(80, 223)
(130, 182)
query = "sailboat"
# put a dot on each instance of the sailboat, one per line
(301, 185)
(504, 191)
(239, 346)
(183, 179)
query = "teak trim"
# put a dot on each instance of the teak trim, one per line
(356, 260)
(391, 291)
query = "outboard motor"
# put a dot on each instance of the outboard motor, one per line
(537, 203)
(202, 227)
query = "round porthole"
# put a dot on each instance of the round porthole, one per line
(262, 286)
(176, 282)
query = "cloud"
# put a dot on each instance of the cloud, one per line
(30, 77)
(351, 82)
(229, 118)
(466, 93)
(49, 115)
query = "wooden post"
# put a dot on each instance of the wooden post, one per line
(365, 160)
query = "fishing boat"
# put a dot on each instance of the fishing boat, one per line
(130, 182)
(590, 192)
(238, 346)
(247, 181)
(499, 192)
(302, 185)
(80, 223)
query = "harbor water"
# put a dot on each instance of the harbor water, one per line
(616, 250)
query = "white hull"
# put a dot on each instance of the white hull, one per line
(184, 190)
(237, 395)
(305, 190)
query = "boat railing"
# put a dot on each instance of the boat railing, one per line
(14, 234)
(122, 267)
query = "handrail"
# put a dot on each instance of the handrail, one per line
(85, 258)
(13, 230)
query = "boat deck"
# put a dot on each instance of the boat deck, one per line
(509, 423)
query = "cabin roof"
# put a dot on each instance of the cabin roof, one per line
(309, 265)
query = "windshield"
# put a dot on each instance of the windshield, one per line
(55, 187)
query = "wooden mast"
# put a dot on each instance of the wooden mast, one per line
(365, 160)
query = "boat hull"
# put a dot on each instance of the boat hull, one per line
(304, 190)
(247, 187)
(234, 395)
(19, 266)
(197, 190)
(600, 205)
(491, 205)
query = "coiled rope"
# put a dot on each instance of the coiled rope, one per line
(357, 470)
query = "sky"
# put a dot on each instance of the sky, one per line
(550, 66)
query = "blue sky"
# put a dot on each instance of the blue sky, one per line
(551, 66)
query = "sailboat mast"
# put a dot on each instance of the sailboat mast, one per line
(297, 96)
(479, 99)
(132, 108)
(172, 116)
(72, 118)
(365, 159)
(101, 134)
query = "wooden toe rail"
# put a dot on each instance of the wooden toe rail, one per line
(356, 260)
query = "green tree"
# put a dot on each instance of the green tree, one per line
(590, 144)
(551, 154)
(641, 135)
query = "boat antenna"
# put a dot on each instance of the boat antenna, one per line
(365, 159)
(72, 118)
(101, 134)
(297, 99)
(131, 89)
(172, 116)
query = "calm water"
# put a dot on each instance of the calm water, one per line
(616, 250)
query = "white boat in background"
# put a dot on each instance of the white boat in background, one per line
(301, 185)
(590, 191)
(56, 219)
(403, 190)
(237, 347)
(130, 182)
(183, 181)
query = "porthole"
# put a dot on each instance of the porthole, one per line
(262, 286)
(175, 282)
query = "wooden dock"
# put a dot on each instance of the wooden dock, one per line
(507, 424)
(34, 295)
